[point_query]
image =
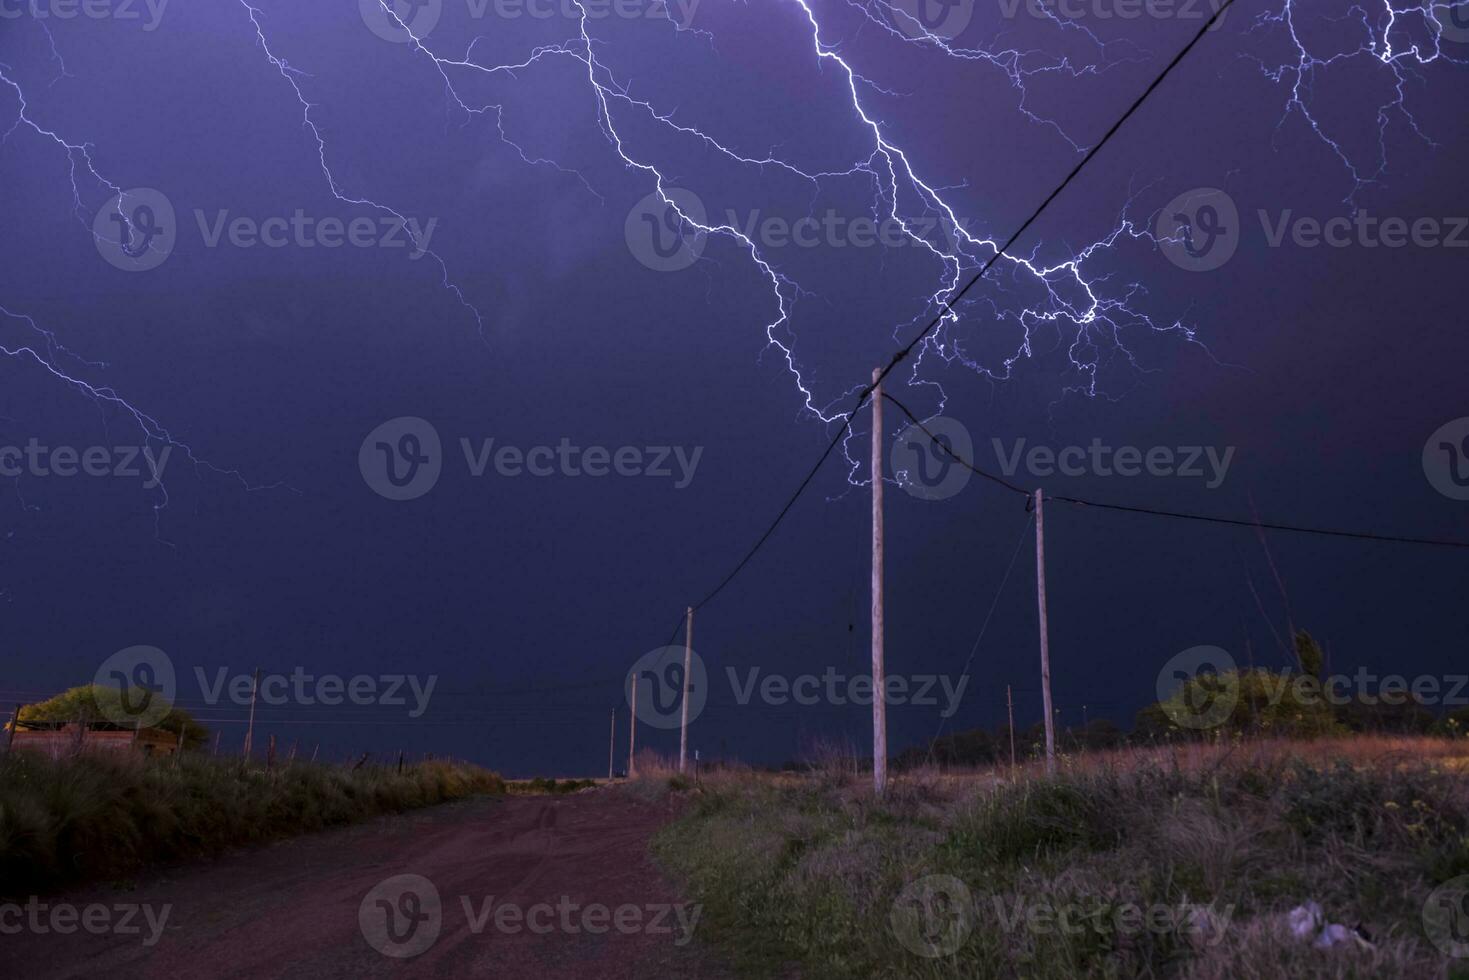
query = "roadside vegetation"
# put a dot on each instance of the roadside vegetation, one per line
(1218, 842)
(111, 814)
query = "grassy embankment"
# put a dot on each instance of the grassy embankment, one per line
(110, 815)
(1220, 842)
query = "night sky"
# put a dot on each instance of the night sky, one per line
(1325, 369)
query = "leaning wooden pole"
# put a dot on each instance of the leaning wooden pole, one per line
(879, 683)
(1040, 591)
(688, 656)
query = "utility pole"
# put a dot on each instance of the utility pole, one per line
(1040, 591)
(250, 728)
(611, 744)
(632, 730)
(688, 656)
(879, 682)
(1010, 710)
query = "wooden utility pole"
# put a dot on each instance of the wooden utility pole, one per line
(632, 730)
(611, 744)
(1040, 591)
(1010, 710)
(879, 682)
(14, 724)
(250, 728)
(688, 656)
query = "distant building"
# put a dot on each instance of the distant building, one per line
(61, 737)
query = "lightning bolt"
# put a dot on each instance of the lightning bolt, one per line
(39, 348)
(1065, 295)
(1403, 39)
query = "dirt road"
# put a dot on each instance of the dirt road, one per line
(522, 886)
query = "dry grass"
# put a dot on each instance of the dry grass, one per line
(107, 814)
(806, 870)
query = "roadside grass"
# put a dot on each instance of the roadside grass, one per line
(543, 786)
(1217, 842)
(109, 815)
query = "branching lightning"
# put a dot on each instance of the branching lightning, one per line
(1089, 312)
(39, 347)
(1403, 39)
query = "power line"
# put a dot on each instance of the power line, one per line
(1179, 515)
(947, 307)
(984, 627)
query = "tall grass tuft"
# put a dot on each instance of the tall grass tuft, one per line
(106, 814)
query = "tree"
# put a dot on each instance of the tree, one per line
(1308, 655)
(96, 702)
